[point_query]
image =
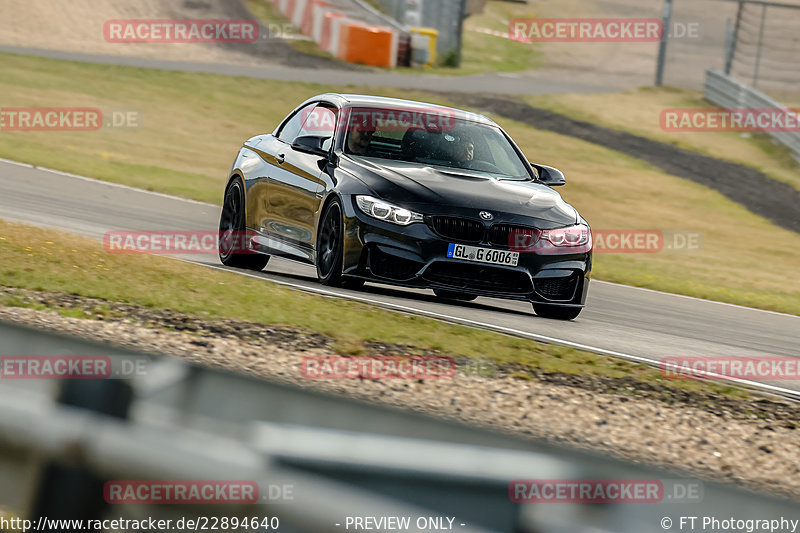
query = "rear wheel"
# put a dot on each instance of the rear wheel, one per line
(557, 312)
(330, 250)
(232, 232)
(454, 295)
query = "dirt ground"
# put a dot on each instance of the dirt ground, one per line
(50, 24)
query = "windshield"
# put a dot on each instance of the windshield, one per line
(432, 138)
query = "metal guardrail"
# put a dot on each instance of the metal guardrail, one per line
(727, 92)
(340, 456)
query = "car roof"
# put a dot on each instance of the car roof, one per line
(364, 100)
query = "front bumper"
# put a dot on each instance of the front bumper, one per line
(416, 256)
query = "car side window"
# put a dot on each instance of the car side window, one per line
(291, 129)
(321, 122)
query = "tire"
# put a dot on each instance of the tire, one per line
(330, 249)
(557, 312)
(453, 295)
(232, 229)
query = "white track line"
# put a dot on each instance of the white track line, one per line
(783, 392)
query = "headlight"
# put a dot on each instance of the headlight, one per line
(569, 237)
(385, 211)
(572, 240)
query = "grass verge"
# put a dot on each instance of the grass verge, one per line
(192, 125)
(45, 260)
(490, 53)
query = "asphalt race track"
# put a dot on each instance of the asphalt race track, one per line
(618, 319)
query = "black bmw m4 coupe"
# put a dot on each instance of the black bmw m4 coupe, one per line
(406, 193)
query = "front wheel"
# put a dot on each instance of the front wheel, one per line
(330, 250)
(232, 232)
(557, 312)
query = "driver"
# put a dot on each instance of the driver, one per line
(463, 149)
(360, 137)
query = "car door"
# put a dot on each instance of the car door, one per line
(264, 168)
(297, 187)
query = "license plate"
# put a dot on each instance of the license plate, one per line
(483, 255)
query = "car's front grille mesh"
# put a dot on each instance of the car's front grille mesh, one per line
(475, 231)
(478, 277)
(557, 289)
(392, 267)
(515, 237)
(458, 229)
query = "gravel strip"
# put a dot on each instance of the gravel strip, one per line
(711, 442)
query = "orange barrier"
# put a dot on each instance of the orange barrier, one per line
(368, 45)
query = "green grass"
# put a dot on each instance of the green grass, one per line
(488, 53)
(192, 125)
(46, 260)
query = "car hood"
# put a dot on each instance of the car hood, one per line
(433, 190)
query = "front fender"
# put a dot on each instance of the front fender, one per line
(348, 186)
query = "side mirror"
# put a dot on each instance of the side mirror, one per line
(552, 177)
(310, 144)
